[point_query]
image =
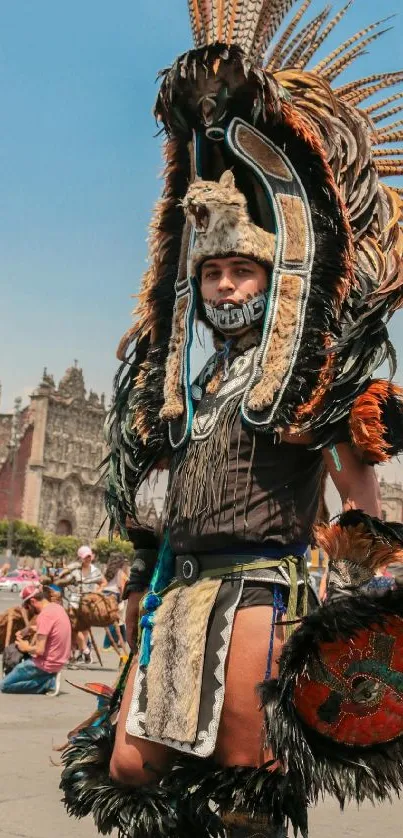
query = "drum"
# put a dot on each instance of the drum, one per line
(15, 615)
(94, 610)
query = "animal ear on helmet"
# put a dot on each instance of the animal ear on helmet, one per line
(227, 179)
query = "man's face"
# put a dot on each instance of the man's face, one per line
(234, 279)
(87, 561)
(32, 607)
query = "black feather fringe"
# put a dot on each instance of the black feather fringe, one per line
(392, 420)
(131, 457)
(390, 532)
(190, 800)
(347, 773)
(265, 793)
(136, 812)
(244, 90)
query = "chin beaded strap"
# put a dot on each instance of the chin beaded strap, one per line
(229, 318)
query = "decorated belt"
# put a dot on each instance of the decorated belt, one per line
(189, 568)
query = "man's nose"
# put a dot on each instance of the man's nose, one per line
(226, 281)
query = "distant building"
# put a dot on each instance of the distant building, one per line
(60, 446)
(150, 502)
(149, 513)
(391, 501)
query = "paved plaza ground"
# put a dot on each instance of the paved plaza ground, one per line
(29, 796)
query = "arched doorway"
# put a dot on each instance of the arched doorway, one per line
(64, 527)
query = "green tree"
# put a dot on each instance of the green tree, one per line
(59, 546)
(104, 548)
(28, 540)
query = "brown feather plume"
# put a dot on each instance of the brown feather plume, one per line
(350, 42)
(357, 544)
(248, 22)
(293, 44)
(196, 22)
(326, 32)
(206, 14)
(305, 44)
(370, 109)
(313, 48)
(335, 68)
(387, 152)
(367, 428)
(387, 113)
(271, 17)
(361, 89)
(274, 60)
(229, 20)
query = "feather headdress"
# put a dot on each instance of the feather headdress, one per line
(309, 155)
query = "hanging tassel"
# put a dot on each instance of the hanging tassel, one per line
(146, 623)
(163, 574)
(278, 610)
(151, 603)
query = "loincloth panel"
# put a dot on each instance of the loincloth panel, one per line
(177, 700)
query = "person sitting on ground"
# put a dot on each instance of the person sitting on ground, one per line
(49, 648)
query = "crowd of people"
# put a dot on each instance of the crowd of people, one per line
(34, 661)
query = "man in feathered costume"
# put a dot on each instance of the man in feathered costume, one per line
(276, 232)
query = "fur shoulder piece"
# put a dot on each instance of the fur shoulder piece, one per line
(376, 422)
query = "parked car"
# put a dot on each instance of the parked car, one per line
(16, 580)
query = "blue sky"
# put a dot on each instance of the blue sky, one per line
(79, 167)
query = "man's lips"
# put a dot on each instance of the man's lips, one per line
(228, 300)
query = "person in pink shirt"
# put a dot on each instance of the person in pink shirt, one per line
(49, 649)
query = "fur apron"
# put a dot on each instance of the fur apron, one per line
(178, 698)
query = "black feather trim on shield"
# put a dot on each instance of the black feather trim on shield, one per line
(346, 770)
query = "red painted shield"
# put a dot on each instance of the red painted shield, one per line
(354, 693)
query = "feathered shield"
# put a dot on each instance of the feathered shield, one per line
(335, 715)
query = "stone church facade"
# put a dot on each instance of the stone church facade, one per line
(391, 501)
(56, 482)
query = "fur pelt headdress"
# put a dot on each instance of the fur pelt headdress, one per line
(309, 158)
(221, 223)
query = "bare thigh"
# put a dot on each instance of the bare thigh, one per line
(135, 761)
(240, 735)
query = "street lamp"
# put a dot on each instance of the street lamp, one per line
(13, 446)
